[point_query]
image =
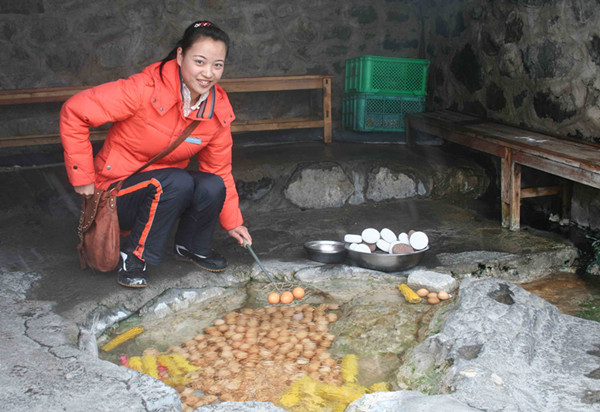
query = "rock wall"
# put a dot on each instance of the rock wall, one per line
(46, 43)
(533, 63)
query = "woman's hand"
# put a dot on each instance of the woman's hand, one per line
(240, 233)
(85, 190)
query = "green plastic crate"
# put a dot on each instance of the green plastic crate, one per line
(379, 112)
(390, 75)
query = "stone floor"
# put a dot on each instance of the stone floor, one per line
(41, 274)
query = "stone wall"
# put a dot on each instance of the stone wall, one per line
(46, 43)
(534, 63)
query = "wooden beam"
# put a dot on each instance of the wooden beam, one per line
(327, 126)
(42, 139)
(511, 191)
(275, 124)
(540, 191)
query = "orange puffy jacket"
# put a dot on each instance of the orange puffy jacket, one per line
(146, 115)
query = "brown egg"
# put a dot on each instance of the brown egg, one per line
(332, 317)
(285, 348)
(422, 292)
(270, 344)
(286, 297)
(302, 361)
(273, 298)
(322, 327)
(433, 300)
(298, 292)
(237, 337)
(432, 295)
(283, 339)
(443, 295)
(301, 334)
(313, 366)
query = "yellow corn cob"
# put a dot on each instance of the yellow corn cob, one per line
(135, 362)
(169, 363)
(379, 387)
(149, 366)
(182, 363)
(349, 369)
(177, 381)
(409, 294)
(125, 336)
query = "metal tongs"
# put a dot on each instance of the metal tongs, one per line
(265, 271)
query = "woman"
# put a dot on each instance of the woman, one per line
(148, 111)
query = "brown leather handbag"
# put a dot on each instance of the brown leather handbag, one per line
(98, 230)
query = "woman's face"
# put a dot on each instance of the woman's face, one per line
(202, 65)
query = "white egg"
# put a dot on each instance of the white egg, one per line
(349, 238)
(419, 240)
(388, 235)
(361, 247)
(403, 238)
(370, 235)
(383, 245)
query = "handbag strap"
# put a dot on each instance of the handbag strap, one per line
(184, 134)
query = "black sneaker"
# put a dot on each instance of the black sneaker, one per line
(132, 272)
(212, 262)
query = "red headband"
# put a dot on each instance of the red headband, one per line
(201, 24)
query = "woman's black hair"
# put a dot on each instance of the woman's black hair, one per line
(195, 31)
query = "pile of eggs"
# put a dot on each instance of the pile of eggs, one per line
(255, 354)
(385, 241)
(433, 298)
(286, 297)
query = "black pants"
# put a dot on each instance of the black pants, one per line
(150, 203)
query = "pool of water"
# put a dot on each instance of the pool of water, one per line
(568, 291)
(234, 346)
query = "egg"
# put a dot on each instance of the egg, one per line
(432, 295)
(286, 297)
(443, 295)
(422, 292)
(298, 292)
(433, 300)
(273, 298)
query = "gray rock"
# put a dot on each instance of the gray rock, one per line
(510, 266)
(407, 401)
(319, 186)
(432, 281)
(505, 349)
(240, 407)
(385, 184)
(41, 370)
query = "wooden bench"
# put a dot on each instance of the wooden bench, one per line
(571, 159)
(240, 85)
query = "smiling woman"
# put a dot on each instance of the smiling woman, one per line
(148, 111)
